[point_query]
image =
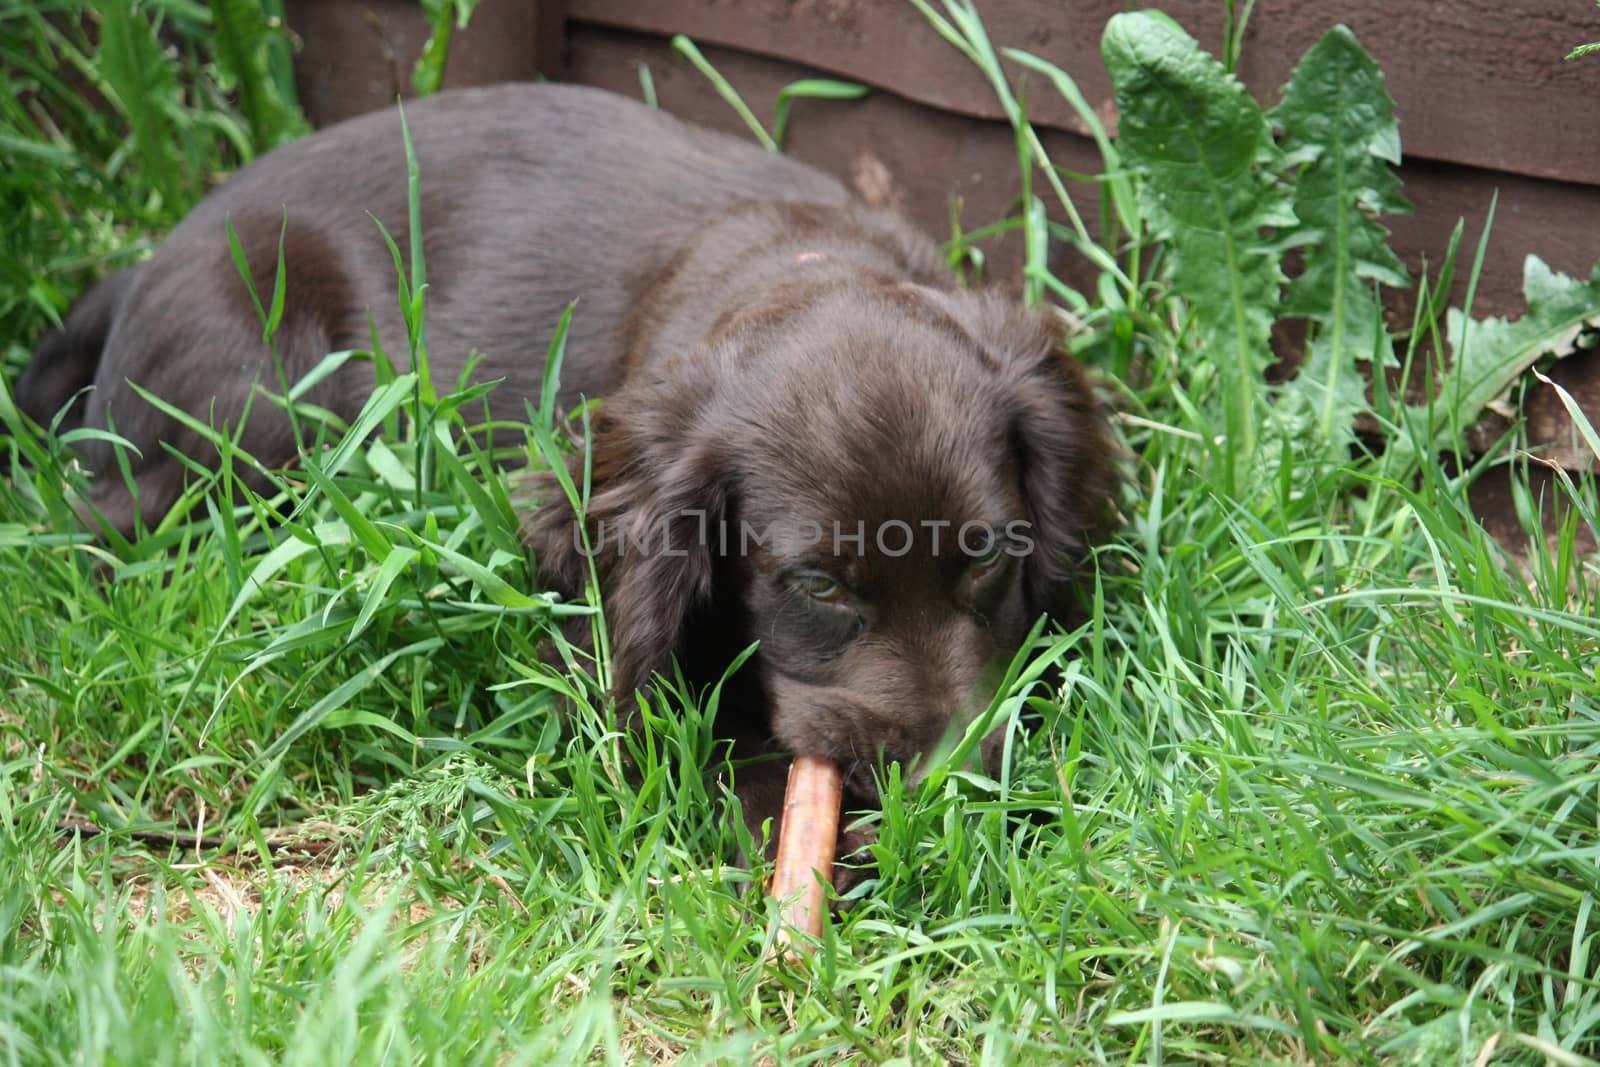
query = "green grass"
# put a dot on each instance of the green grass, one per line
(1323, 784)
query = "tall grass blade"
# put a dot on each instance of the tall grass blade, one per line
(690, 51)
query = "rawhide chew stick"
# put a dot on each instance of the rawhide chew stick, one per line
(807, 841)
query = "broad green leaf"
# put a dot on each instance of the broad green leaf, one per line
(1338, 120)
(1209, 191)
(1488, 355)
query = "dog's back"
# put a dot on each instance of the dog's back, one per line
(533, 195)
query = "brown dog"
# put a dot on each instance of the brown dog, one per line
(810, 437)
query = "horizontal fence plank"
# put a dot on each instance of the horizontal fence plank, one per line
(357, 55)
(940, 165)
(936, 159)
(947, 158)
(1478, 82)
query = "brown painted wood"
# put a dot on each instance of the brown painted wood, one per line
(936, 158)
(1494, 500)
(932, 144)
(357, 55)
(937, 161)
(1478, 82)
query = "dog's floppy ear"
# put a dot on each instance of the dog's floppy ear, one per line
(1059, 434)
(655, 502)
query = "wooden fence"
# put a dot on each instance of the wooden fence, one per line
(1487, 105)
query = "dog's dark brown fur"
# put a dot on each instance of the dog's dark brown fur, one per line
(798, 400)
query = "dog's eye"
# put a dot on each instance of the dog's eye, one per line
(986, 563)
(819, 586)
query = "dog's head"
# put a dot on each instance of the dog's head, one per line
(885, 485)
